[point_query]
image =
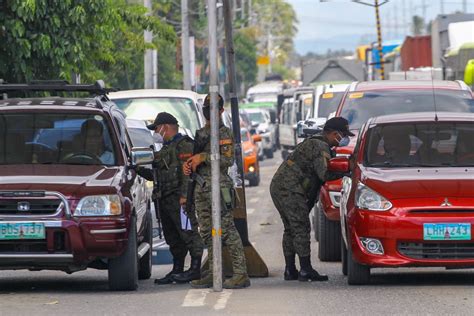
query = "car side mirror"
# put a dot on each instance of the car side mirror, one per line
(142, 156)
(339, 164)
(310, 127)
(256, 138)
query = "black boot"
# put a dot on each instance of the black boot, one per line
(307, 273)
(290, 269)
(193, 273)
(178, 267)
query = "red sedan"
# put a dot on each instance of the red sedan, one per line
(362, 101)
(410, 199)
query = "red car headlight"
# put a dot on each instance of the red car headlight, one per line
(368, 199)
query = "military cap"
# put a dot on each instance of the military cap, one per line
(163, 118)
(339, 124)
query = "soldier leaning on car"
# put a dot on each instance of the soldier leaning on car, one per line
(294, 189)
(201, 163)
(172, 196)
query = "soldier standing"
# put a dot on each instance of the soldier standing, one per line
(294, 190)
(201, 163)
(172, 196)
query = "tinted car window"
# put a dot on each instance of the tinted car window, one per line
(328, 103)
(420, 144)
(147, 109)
(140, 137)
(52, 138)
(358, 107)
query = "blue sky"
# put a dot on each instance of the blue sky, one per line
(342, 24)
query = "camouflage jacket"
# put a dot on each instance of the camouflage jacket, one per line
(305, 169)
(202, 144)
(169, 162)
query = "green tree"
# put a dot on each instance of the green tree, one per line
(50, 39)
(417, 25)
(245, 58)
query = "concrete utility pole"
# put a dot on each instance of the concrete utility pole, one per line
(185, 50)
(215, 158)
(151, 57)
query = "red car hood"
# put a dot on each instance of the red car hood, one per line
(417, 183)
(71, 180)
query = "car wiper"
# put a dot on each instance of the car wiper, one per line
(390, 164)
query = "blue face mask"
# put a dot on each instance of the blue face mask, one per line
(344, 141)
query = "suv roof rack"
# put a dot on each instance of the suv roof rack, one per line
(97, 88)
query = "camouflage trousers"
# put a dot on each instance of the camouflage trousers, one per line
(294, 212)
(180, 241)
(230, 235)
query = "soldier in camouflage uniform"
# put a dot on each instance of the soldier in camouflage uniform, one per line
(294, 190)
(172, 195)
(201, 164)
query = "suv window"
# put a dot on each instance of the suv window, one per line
(147, 109)
(328, 103)
(55, 138)
(358, 107)
(434, 144)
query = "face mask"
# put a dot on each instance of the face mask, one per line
(157, 138)
(344, 141)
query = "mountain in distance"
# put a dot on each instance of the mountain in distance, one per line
(322, 45)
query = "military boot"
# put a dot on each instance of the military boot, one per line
(193, 273)
(238, 281)
(203, 283)
(178, 267)
(307, 273)
(291, 273)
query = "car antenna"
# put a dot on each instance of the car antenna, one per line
(434, 95)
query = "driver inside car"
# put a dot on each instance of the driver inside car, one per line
(90, 142)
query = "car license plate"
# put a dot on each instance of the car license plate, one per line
(448, 231)
(24, 230)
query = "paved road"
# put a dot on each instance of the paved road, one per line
(394, 291)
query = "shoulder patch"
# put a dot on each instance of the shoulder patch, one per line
(227, 141)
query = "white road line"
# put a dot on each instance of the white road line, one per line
(253, 200)
(195, 297)
(222, 300)
(250, 210)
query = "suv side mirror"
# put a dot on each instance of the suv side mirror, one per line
(339, 164)
(256, 138)
(142, 156)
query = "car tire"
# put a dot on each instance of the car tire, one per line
(329, 239)
(316, 222)
(343, 257)
(145, 264)
(255, 180)
(357, 274)
(269, 153)
(123, 270)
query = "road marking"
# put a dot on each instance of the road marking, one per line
(195, 297)
(222, 300)
(253, 200)
(250, 210)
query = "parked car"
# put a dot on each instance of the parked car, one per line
(70, 198)
(250, 156)
(409, 200)
(261, 120)
(362, 101)
(145, 104)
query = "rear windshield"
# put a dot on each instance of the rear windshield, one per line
(435, 144)
(328, 103)
(55, 138)
(256, 117)
(147, 109)
(358, 107)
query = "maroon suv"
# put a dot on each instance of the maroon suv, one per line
(70, 197)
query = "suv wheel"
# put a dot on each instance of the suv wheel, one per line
(123, 270)
(329, 239)
(357, 274)
(145, 264)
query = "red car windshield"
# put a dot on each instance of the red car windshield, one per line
(55, 138)
(358, 107)
(434, 144)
